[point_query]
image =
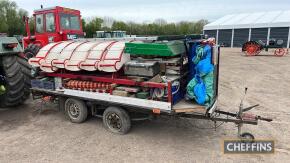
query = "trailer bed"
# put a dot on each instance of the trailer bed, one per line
(182, 106)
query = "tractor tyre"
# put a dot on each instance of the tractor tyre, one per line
(17, 82)
(31, 51)
(26, 70)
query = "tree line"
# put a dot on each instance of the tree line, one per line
(158, 27)
(12, 24)
(11, 18)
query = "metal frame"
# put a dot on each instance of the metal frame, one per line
(231, 117)
(134, 102)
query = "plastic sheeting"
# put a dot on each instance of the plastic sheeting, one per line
(200, 87)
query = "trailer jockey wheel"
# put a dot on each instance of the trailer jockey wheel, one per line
(247, 137)
(279, 52)
(76, 110)
(117, 120)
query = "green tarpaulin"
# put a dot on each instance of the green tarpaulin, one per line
(162, 49)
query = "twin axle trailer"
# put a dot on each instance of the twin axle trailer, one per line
(119, 98)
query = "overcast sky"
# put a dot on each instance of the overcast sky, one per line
(170, 10)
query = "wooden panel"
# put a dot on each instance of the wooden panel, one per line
(188, 107)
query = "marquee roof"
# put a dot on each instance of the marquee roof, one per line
(251, 20)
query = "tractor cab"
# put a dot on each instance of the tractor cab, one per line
(53, 25)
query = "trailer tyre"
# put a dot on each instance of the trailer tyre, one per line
(76, 110)
(117, 120)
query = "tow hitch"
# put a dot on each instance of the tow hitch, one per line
(239, 118)
(244, 117)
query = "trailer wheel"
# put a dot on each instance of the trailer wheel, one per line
(76, 110)
(117, 120)
(247, 137)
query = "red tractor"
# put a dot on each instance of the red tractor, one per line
(52, 25)
(253, 48)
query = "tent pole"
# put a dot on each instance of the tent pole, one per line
(288, 42)
(217, 36)
(232, 41)
(268, 35)
(250, 34)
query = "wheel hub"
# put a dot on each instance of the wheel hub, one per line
(279, 52)
(252, 49)
(74, 110)
(114, 121)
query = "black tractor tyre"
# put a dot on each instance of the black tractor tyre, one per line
(17, 82)
(26, 70)
(116, 120)
(31, 51)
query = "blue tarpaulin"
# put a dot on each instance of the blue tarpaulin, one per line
(200, 86)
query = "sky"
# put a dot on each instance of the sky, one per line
(149, 10)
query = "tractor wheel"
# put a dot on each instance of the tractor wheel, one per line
(26, 70)
(31, 51)
(17, 82)
(280, 52)
(251, 48)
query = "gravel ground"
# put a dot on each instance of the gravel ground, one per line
(29, 136)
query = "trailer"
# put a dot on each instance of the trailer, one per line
(117, 96)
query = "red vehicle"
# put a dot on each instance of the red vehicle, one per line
(52, 25)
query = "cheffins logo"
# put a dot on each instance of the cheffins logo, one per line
(248, 147)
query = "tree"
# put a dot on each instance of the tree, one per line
(107, 22)
(11, 18)
(119, 25)
(199, 25)
(31, 24)
(21, 23)
(93, 26)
